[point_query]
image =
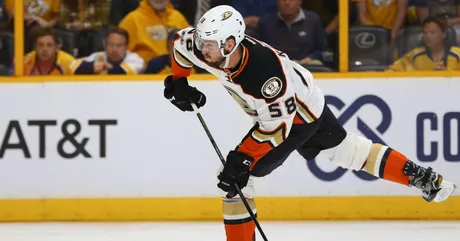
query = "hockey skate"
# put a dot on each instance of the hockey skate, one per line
(433, 186)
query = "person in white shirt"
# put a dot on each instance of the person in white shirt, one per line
(116, 59)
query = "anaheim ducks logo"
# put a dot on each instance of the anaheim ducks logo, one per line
(226, 15)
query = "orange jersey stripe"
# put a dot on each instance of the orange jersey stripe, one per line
(298, 120)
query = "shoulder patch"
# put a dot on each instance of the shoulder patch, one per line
(272, 87)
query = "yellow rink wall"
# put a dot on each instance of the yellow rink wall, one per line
(209, 209)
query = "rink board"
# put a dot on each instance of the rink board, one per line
(139, 158)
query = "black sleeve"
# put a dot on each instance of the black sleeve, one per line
(85, 68)
(117, 70)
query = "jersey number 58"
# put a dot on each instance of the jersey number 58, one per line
(275, 108)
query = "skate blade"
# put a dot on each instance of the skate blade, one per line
(447, 188)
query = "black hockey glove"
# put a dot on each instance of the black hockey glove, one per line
(182, 95)
(236, 170)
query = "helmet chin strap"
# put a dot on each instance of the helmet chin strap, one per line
(227, 56)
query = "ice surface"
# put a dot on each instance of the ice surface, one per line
(204, 231)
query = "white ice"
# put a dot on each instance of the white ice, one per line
(204, 231)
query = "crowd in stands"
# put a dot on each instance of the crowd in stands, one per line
(71, 37)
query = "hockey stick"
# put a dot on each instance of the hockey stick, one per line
(245, 202)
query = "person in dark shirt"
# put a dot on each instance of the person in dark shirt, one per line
(295, 31)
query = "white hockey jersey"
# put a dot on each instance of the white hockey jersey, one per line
(275, 91)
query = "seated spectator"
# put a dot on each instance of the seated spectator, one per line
(116, 59)
(46, 59)
(389, 14)
(252, 10)
(448, 9)
(84, 14)
(148, 27)
(44, 13)
(435, 54)
(120, 8)
(295, 31)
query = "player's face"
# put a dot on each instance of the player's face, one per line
(211, 52)
(46, 48)
(116, 47)
(433, 35)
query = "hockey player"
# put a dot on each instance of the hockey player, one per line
(289, 111)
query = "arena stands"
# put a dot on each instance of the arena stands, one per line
(380, 32)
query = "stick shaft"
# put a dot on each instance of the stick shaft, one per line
(222, 159)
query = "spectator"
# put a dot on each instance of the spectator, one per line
(120, 8)
(295, 31)
(44, 13)
(389, 14)
(252, 10)
(46, 59)
(116, 59)
(148, 27)
(448, 9)
(84, 14)
(435, 54)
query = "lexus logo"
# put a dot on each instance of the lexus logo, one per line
(365, 40)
